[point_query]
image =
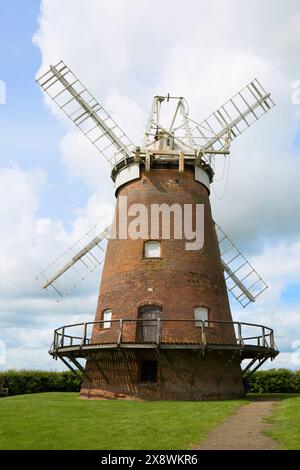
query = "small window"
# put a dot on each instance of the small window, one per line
(106, 318)
(152, 249)
(201, 314)
(149, 371)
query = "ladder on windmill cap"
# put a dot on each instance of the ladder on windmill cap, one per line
(242, 280)
(69, 93)
(179, 122)
(75, 264)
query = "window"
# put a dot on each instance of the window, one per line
(152, 249)
(149, 371)
(201, 314)
(106, 317)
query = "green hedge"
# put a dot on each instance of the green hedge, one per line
(37, 381)
(275, 381)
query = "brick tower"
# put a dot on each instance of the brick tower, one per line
(158, 289)
(163, 327)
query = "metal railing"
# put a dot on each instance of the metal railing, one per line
(163, 331)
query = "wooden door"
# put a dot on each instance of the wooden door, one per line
(148, 315)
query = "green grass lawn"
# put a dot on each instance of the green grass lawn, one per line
(285, 423)
(63, 421)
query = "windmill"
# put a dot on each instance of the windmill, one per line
(163, 327)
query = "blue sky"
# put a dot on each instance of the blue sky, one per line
(54, 186)
(30, 135)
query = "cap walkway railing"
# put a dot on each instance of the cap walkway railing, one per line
(161, 332)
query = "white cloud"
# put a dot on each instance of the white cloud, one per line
(280, 261)
(23, 236)
(28, 244)
(129, 112)
(83, 162)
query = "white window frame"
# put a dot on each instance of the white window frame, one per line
(201, 315)
(106, 318)
(157, 244)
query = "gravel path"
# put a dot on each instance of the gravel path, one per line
(243, 430)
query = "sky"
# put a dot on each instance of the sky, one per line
(54, 186)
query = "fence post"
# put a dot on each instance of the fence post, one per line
(264, 336)
(240, 334)
(120, 332)
(83, 342)
(272, 340)
(203, 339)
(62, 337)
(158, 331)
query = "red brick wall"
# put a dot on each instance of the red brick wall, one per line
(182, 375)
